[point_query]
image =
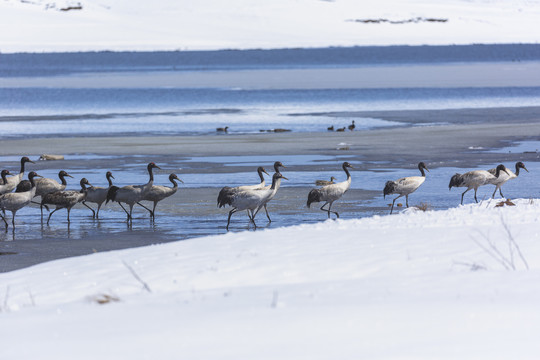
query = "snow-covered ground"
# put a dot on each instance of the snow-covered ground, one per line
(455, 284)
(67, 25)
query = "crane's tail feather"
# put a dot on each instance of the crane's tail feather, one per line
(313, 196)
(225, 197)
(111, 194)
(389, 188)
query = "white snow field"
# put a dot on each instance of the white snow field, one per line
(456, 284)
(66, 25)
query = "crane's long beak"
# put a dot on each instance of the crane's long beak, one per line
(283, 177)
(180, 180)
(525, 169)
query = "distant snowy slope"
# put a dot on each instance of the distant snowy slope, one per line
(455, 284)
(66, 25)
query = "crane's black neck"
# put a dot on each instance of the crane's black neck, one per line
(276, 167)
(517, 169)
(22, 165)
(83, 185)
(260, 172)
(62, 177)
(172, 179)
(109, 176)
(32, 182)
(150, 173)
(276, 181)
(422, 171)
(4, 175)
(346, 172)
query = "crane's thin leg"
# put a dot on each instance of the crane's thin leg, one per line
(463, 195)
(131, 212)
(267, 215)
(97, 212)
(5, 222)
(35, 202)
(252, 217)
(68, 210)
(407, 200)
(335, 212)
(229, 219)
(475, 199)
(93, 212)
(328, 210)
(123, 208)
(13, 220)
(50, 216)
(154, 211)
(150, 211)
(323, 209)
(393, 202)
(500, 192)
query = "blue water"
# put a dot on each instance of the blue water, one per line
(88, 62)
(50, 109)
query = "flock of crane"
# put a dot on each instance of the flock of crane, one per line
(16, 193)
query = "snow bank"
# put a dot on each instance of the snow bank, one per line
(421, 285)
(46, 25)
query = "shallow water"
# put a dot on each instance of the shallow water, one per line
(192, 211)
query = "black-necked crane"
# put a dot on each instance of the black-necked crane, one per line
(65, 199)
(5, 187)
(45, 186)
(252, 200)
(405, 186)
(331, 193)
(15, 201)
(504, 177)
(226, 191)
(98, 195)
(159, 192)
(277, 165)
(13, 181)
(132, 194)
(474, 179)
(326, 182)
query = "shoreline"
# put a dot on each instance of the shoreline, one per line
(437, 134)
